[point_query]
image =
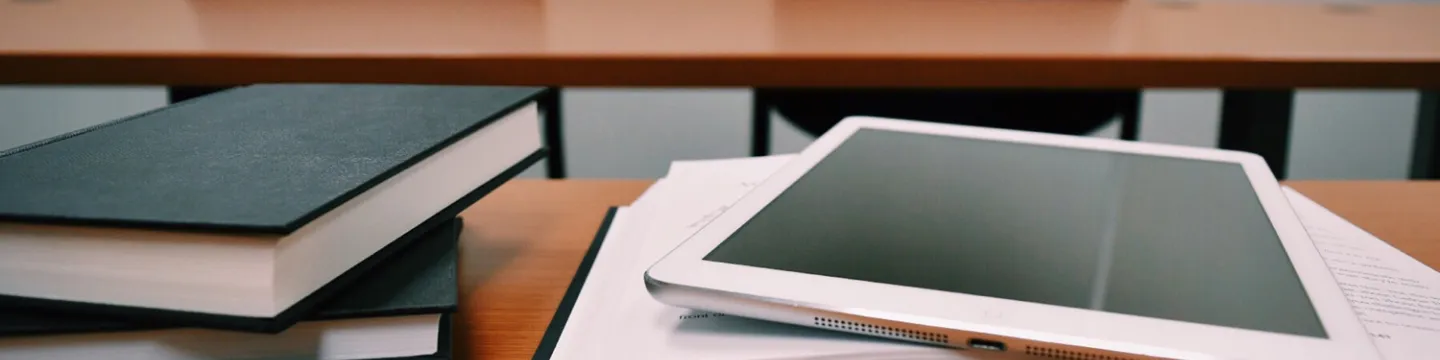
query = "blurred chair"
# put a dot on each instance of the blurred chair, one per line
(182, 93)
(1073, 112)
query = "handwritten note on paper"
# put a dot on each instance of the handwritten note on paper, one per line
(1394, 295)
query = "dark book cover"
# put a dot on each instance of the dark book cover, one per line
(257, 159)
(420, 279)
(572, 293)
(303, 309)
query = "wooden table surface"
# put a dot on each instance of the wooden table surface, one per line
(1090, 43)
(523, 242)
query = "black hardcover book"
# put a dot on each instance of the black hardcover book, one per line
(417, 286)
(244, 209)
(259, 159)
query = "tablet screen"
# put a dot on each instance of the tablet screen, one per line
(1168, 238)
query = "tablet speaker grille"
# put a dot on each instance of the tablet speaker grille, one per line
(1070, 354)
(886, 331)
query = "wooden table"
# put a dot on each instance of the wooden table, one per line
(1242, 46)
(725, 42)
(523, 242)
(980, 43)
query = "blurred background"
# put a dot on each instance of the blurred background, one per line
(635, 133)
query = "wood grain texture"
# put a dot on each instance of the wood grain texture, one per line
(993, 43)
(523, 242)
(1404, 213)
(519, 250)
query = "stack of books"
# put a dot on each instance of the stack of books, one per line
(264, 222)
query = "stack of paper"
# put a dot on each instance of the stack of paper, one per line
(614, 316)
(1396, 296)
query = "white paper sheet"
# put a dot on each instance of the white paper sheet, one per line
(621, 320)
(1396, 296)
(625, 322)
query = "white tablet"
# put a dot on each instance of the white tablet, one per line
(1050, 245)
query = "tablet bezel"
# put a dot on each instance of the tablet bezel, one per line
(1347, 338)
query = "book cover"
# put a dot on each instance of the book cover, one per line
(300, 310)
(572, 293)
(256, 159)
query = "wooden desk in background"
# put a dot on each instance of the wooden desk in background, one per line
(523, 243)
(1257, 50)
(974, 43)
